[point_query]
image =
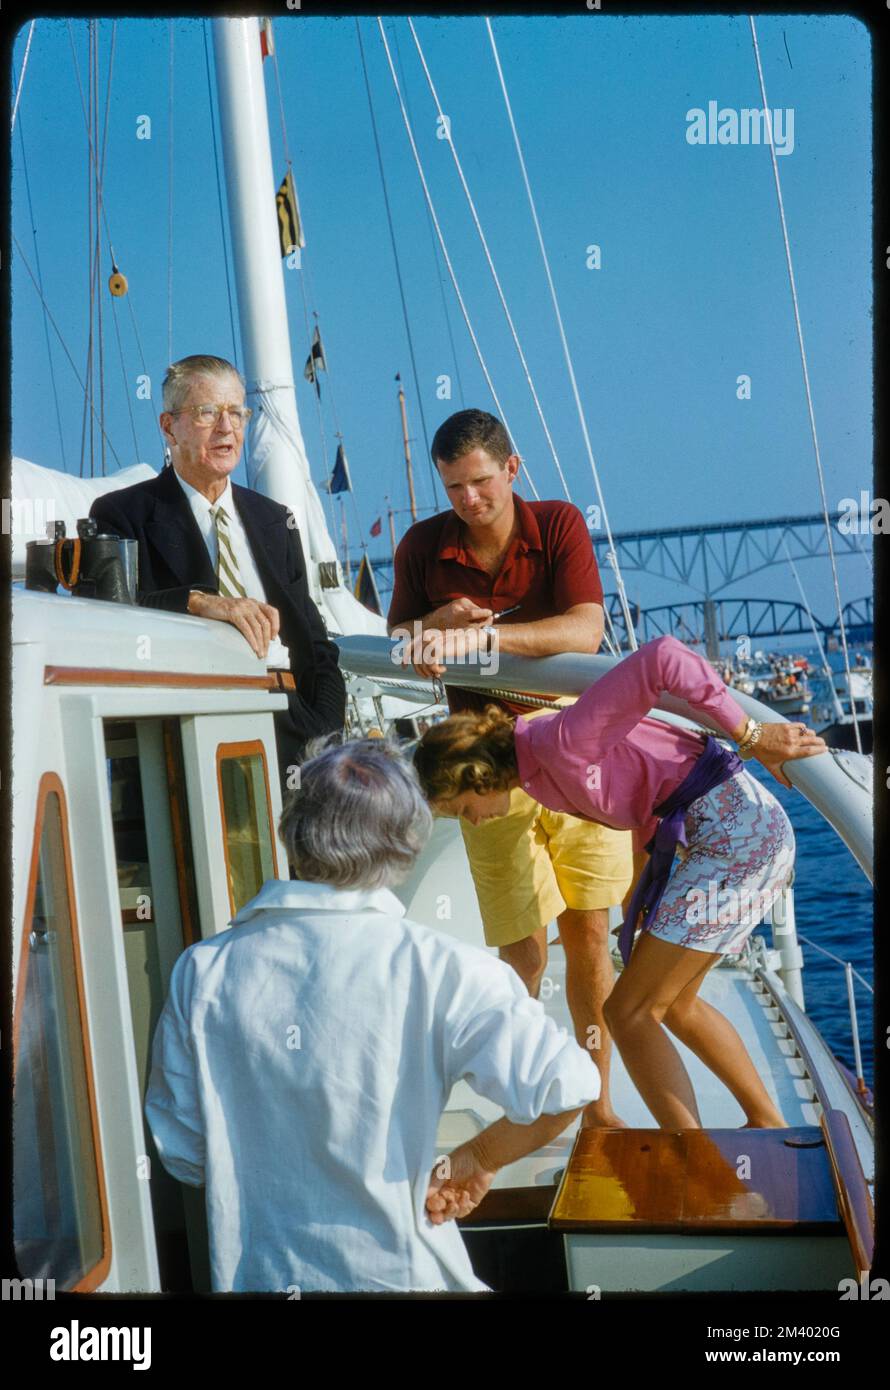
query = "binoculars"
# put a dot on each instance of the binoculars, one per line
(88, 565)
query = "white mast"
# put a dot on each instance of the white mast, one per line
(279, 466)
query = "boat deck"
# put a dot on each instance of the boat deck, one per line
(734, 989)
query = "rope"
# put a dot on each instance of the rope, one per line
(625, 608)
(446, 125)
(767, 114)
(18, 91)
(441, 239)
(392, 239)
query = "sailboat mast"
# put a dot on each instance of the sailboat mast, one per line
(411, 498)
(278, 465)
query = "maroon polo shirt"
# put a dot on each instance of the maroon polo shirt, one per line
(549, 568)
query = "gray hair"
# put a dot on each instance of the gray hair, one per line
(181, 374)
(358, 818)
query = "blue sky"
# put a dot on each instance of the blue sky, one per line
(692, 291)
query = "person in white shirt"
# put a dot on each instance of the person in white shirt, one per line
(303, 1057)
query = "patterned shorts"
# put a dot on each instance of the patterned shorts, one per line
(740, 856)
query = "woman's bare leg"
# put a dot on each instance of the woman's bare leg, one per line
(660, 985)
(713, 1039)
(657, 974)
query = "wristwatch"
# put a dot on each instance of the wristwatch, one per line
(750, 738)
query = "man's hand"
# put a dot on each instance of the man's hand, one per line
(258, 622)
(460, 612)
(428, 651)
(457, 1195)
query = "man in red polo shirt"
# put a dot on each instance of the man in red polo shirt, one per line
(455, 571)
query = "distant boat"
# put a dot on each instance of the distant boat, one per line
(778, 681)
(832, 715)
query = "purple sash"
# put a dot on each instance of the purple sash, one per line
(714, 765)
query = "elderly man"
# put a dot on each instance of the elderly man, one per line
(494, 553)
(303, 1058)
(212, 548)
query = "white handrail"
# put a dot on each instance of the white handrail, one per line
(843, 802)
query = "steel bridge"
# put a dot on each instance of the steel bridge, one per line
(708, 559)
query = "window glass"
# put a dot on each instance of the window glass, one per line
(57, 1209)
(128, 821)
(247, 824)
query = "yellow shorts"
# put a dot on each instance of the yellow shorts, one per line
(531, 864)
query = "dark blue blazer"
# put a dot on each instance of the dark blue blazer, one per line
(173, 559)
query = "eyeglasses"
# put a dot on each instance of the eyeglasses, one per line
(208, 415)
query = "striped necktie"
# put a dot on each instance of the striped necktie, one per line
(227, 572)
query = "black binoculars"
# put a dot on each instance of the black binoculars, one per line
(88, 565)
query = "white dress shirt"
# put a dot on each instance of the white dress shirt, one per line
(278, 655)
(300, 1067)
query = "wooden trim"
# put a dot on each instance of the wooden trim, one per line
(853, 1197)
(239, 750)
(191, 680)
(50, 784)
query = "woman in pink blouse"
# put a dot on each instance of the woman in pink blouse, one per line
(603, 759)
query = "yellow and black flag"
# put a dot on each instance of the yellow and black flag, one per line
(366, 587)
(315, 362)
(290, 228)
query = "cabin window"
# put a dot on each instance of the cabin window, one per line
(58, 1207)
(248, 836)
(128, 822)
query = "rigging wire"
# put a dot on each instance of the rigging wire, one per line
(612, 554)
(170, 77)
(306, 294)
(825, 666)
(52, 368)
(445, 125)
(97, 182)
(18, 92)
(57, 331)
(392, 238)
(89, 415)
(436, 256)
(222, 219)
(767, 112)
(93, 158)
(441, 239)
(306, 285)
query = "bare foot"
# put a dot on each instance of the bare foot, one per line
(594, 1118)
(765, 1124)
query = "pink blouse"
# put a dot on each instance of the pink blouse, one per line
(602, 759)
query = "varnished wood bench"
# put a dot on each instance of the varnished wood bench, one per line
(703, 1211)
(724, 1180)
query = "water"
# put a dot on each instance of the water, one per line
(834, 908)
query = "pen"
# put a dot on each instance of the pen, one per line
(503, 613)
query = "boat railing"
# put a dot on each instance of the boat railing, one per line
(836, 784)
